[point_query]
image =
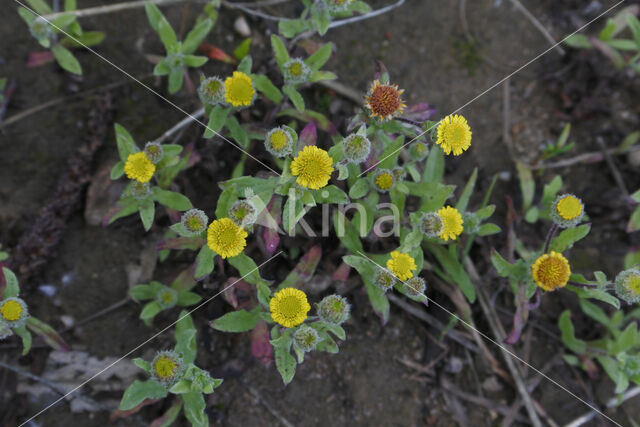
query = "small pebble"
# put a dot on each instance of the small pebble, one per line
(241, 27)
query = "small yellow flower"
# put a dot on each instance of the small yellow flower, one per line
(239, 90)
(167, 367)
(289, 307)
(384, 100)
(551, 271)
(567, 210)
(139, 167)
(454, 134)
(451, 223)
(225, 238)
(384, 181)
(569, 207)
(313, 167)
(401, 265)
(627, 285)
(11, 310)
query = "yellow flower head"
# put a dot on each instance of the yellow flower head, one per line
(313, 167)
(454, 134)
(451, 223)
(279, 142)
(225, 238)
(139, 167)
(296, 71)
(384, 100)
(627, 285)
(401, 265)
(383, 180)
(239, 90)
(567, 210)
(551, 271)
(167, 368)
(13, 312)
(289, 307)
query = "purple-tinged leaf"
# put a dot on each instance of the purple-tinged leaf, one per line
(305, 268)
(419, 112)
(342, 272)
(47, 333)
(308, 136)
(185, 280)
(261, 348)
(271, 218)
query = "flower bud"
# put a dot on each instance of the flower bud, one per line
(356, 148)
(211, 91)
(296, 71)
(334, 309)
(430, 224)
(167, 297)
(383, 180)
(279, 142)
(139, 190)
(194, 221)
(627, 285)
(154, 152)
(418, 151)
(305, 338)
(167, 368)
(243, 213)
(415, 286)
(384, 279)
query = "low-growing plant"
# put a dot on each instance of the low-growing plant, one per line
(15, 317)
(60, 33)
(173, 372)
(317, 16)
(623, 52)
(180, 54)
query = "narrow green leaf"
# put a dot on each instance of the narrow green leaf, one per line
(236, 321)
(137, 392)
(66, 60)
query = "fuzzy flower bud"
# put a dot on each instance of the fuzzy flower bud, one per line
(279, 142)
(356, 148)
(415, 286)
(383, 180)
(334, 309)
(305, 338)
(243, 213)
(418, 151)
(211, 91)
(194, 221)
(154, 152)
(167, 297)
(167, 368)
(430, 224)
(384, 279)
(139, 190)
(627, 285)
(296, 71)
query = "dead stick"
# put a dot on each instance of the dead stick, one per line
(499, 335)
(480, 401)
(432, 321)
